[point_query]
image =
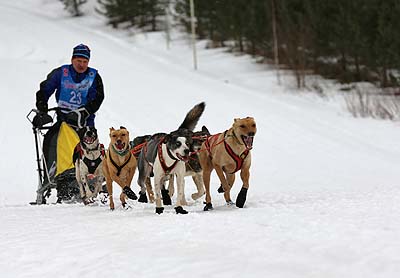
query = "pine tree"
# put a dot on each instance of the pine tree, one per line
(73, 6)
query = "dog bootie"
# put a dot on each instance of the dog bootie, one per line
(159, 210)
(142, 197)
(221, 189)
(180, 210)
(165, 197)
(208, 207)
(241, 197)
(131, 195)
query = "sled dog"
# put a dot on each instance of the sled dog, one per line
(166, 154)
(119, 165)
(227, 153)
(193, 167)
(88, 159)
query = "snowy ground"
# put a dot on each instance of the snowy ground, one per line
(324, 198)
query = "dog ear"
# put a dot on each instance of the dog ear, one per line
(122, 127)
(111, 131)
(81, 132)
(167, 138)
(204, 129)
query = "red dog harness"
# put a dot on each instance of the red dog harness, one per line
(166, 169)
(239, 159)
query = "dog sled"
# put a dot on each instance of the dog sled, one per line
(54, 146)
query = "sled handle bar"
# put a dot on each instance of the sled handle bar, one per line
(36, 111)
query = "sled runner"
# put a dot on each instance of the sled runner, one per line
(54, 145)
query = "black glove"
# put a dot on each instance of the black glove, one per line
(42, 106)
(77, 117)
(41, 119)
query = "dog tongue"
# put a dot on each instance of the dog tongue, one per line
(89, 140)
(248, 141)
(183, 158)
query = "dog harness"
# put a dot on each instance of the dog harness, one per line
(90, 164)
(135, 150)
(239, 159)
(166, 169)
(119, 168)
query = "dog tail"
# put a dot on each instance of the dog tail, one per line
(193, 116)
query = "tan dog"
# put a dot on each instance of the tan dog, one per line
(119, 165)
(227, 153)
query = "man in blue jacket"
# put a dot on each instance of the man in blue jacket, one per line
(79, 89)
(79, 94)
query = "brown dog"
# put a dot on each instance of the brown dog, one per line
(119, 165)
(227, 153)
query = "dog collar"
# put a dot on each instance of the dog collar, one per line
(95, 148)
(118, 152)
(166, 169)
(171, 155)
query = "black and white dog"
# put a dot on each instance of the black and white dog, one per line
(193, 167)
(166, 154)
(88, 158)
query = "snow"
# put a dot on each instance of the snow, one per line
(324, 197)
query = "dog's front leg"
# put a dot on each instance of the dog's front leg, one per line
(207, 166)
(110, 192)
(181, 195)
(180, 182)
(125, 186)
(127, 189)
(224, 183)
(241, 197)
(171, 187)
(157, 191)
(89, 193)
(79, 179)
(98, 186)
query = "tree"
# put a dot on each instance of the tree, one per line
(73, 6)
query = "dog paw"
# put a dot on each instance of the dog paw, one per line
(165, 197)
(159, 210)
(241, 198)
(230, 203)
(208, 207)
(221, 189)
(142, 198)
(126, 206)
(128, 192)
(180, 210)
(103, 197)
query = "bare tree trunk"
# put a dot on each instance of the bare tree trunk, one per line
(275, 38)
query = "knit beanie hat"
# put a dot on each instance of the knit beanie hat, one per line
(81, 51)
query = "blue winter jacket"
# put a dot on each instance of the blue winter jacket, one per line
(52, 84)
